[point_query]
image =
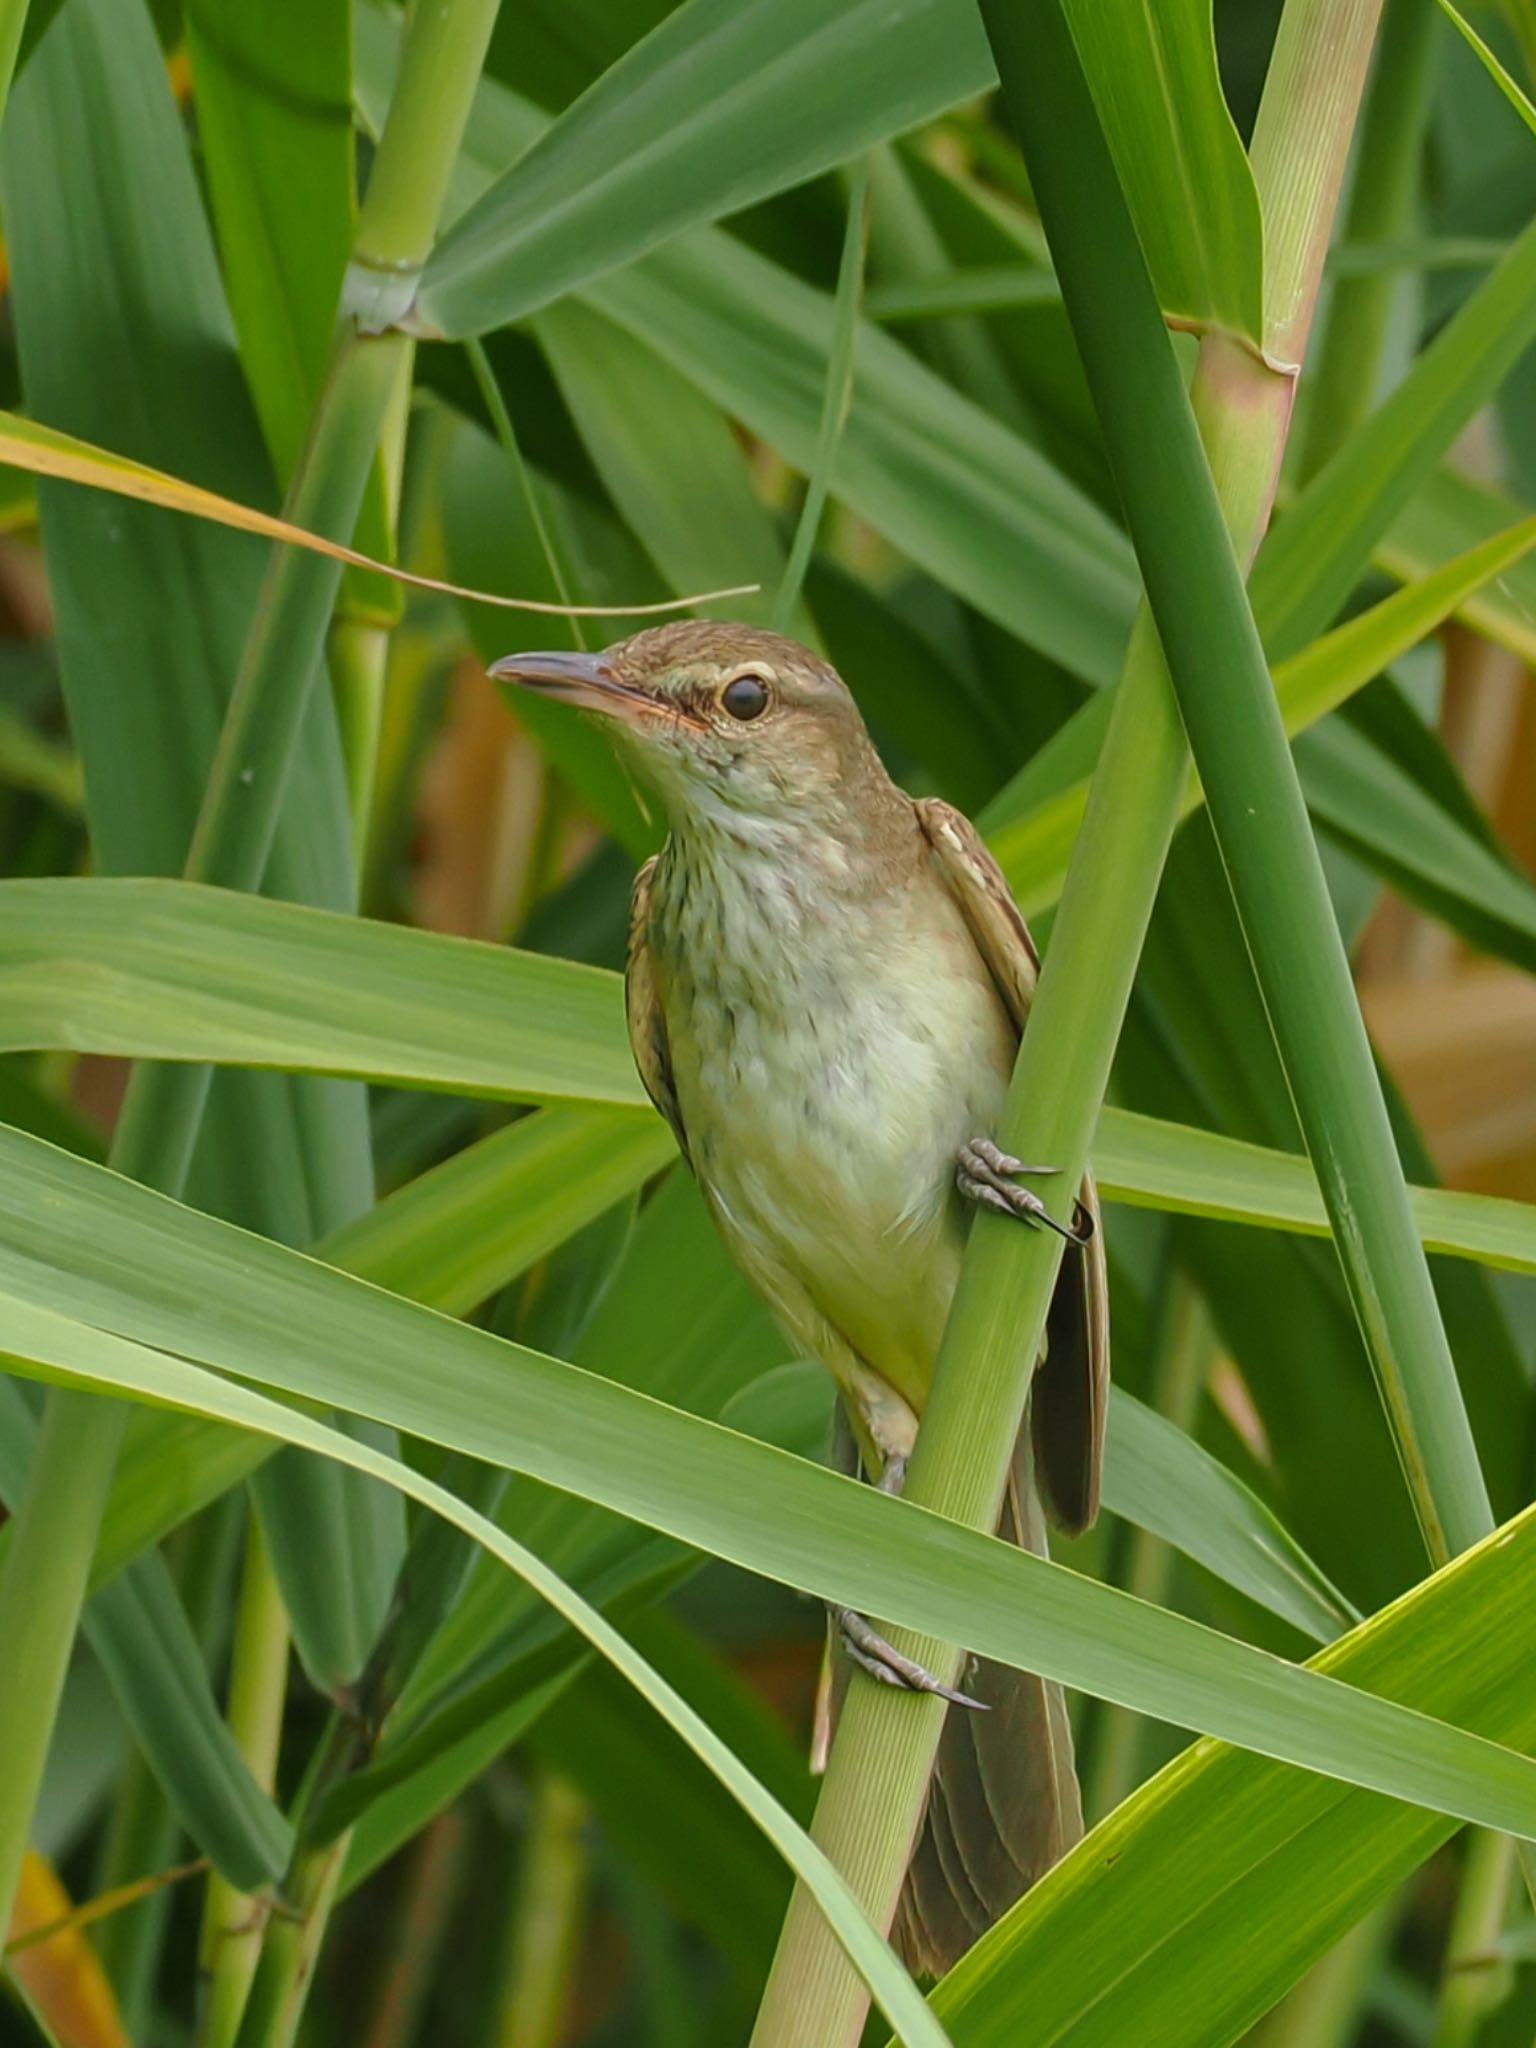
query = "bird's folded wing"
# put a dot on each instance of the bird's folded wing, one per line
(1071, 1392)
(642, 1006)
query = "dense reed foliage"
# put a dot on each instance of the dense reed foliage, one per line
(415, 1529)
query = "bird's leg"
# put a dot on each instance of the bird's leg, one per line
(864, 1642)
(986, 1174)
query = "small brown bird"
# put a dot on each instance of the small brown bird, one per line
(826, 985)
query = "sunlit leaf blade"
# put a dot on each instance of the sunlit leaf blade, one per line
(172, 971)
(449, 1239)
(763, 85)
(1095, 1956)
(1447, 515)
(143, 1268)
(1316, 551)
(470, 1014)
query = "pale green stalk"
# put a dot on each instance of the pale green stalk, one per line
(1476, 1977)
(233, 1921)
(547, 1918)
(1383, 207)
(44, 1579)
(1326, 2008)
(358, 649)
(876, 1783)
(291, 1947)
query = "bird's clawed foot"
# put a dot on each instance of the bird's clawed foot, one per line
(986, 1174)
(883, 1661)
(869, 1649)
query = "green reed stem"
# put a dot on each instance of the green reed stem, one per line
(876, 1783)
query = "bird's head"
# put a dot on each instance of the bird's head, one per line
(727, 722)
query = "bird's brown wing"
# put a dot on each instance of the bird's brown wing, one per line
(1070, 1397)
(642, 1007)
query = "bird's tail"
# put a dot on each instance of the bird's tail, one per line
(1004, 1803)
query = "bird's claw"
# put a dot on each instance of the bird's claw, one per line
(883, 1661)
(987, 1175)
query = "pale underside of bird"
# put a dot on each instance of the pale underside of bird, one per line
(826, 984)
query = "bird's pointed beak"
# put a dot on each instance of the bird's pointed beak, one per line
(583, 679)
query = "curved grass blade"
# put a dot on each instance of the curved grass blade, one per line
(74, 1351)
(1490, 63)
(1267, 1869)
(24, 444)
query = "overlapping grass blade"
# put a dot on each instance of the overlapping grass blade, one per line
(46, 452)
(171, 971)
(1317, 551)
(447, 1239)
(38, 1337)
(764, 87)
(143, 1268)
(1095, 1957)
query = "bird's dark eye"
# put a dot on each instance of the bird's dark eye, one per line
(745, 697)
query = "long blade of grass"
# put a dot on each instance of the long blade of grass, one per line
(124, 1256)
(166, 970)
(1510, 88)
(1269, 1869)
(74, 1350)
